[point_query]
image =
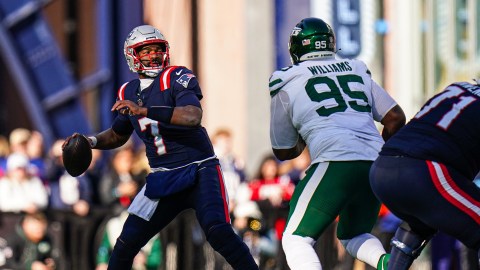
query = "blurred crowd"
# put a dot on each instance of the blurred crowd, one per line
(51, 220)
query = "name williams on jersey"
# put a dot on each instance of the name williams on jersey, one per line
(335, 67)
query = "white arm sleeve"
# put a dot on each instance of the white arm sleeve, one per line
(382, 102)
(283, 134)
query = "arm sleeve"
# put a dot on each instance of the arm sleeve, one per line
(186, 97)
(283, 134)
(121, 125)
(382, 102)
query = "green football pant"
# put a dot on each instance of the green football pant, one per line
(330, 190)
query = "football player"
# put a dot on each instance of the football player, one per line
(425, 174)
(163, 108)
(329, 106)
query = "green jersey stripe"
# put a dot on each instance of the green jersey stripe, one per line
(275, 92)
(274, 82)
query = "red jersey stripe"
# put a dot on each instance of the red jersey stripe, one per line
(165, 78)
(121, 91)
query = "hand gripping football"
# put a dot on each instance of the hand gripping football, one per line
(77, 155)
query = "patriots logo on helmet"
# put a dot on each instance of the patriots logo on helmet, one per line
(185, 79)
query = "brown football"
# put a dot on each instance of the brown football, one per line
(77, 155)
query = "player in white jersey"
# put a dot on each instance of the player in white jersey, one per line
(329, 105)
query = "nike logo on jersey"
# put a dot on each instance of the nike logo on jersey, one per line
(178, 73)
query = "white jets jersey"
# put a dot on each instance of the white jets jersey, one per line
(332, 104)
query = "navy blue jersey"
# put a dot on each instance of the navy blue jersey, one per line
(445, 130)
(167, 145)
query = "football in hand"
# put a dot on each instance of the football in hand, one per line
(77, 155)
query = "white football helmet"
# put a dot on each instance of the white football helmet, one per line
(141, 36)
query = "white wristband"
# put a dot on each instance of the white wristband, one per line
(93, 140)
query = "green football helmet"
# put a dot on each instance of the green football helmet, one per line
(309, 36)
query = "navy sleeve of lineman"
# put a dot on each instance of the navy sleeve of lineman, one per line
(122, 125)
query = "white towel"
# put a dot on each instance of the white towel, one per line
(142, 206)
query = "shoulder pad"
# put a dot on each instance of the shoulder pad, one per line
(165, 76)
(278, 79)
(286, 68)
(185, 79)
(473, 88)
(182, 76)
(360, 66)
(121, 90)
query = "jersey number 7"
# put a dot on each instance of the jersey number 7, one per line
(157, 138)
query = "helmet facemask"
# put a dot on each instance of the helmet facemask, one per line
(151, 63)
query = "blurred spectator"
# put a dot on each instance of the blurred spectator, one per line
(67, 192)
(261, 241)
(19, 190)
(29, 143)
(29, 247)
(35, 153)
(94, 175)
(222, 141)
(269, 185)
(119, 185)
(272, 193)
(18, 140)
(232, 167)
(70, 199)
(4, 152)
(150, 256)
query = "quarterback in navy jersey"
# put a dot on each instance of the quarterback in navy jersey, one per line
(425, 174)
(163, 108)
